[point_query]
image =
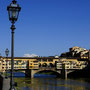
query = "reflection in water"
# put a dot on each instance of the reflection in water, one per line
(52, 84)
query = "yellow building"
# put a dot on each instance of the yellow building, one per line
(71, 64)
(19, 63)
(41, 62)
(27, 62)
(22, 63)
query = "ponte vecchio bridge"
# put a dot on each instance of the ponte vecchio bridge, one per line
(31, 66)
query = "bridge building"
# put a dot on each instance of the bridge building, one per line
(32, 65)
(26, 62)
(42, 62)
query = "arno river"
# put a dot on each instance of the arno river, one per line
(52, 84)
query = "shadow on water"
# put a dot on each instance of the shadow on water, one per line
(46, 74)
(52, 84)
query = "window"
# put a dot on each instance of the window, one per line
(30, 63)
(30, 67)
(35, 64)
(35, 61)
(16, 62)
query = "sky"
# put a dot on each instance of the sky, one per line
(46, 27)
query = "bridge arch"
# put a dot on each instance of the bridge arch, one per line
(44, 65)
(47, 72)
(51, 65)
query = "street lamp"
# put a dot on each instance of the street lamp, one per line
(6, 52)
(13, 11)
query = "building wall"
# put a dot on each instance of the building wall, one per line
(35, 63)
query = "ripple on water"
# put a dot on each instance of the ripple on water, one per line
(52, 84)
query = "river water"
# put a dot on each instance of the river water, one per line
(52, 84)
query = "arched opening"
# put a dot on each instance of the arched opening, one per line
(44, 65)
(51, 65)
(39, 64)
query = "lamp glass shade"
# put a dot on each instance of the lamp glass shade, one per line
(13, 11)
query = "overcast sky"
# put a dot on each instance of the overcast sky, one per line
(46, 27)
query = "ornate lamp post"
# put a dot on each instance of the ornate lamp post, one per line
(13, 11)
(6, 52)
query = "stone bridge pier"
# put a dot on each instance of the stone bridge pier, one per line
(62, 72)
